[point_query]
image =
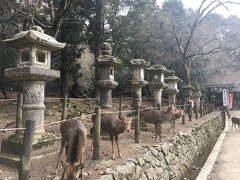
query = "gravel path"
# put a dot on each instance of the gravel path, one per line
(227, 165)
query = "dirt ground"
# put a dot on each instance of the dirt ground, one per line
(43, 168)
(228, 161)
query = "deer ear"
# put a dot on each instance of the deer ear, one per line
(80, 166)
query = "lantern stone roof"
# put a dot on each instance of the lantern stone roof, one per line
(106, 59)
(139, 62)
(159, 68)
(172, 77)
(35, 35)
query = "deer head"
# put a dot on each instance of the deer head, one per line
(73, 171)
(127, 121)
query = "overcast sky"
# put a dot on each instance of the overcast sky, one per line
(233, 9)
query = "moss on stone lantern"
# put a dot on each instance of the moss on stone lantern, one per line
(137, 79)
(33, 70)
(105, 65)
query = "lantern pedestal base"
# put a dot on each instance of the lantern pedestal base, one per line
(11, 148)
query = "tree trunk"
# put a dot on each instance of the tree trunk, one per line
(99, 26)
(63, 74)
(99, 33)
(187, 74)
(63, 68)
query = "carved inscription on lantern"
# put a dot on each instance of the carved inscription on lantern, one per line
(34, 95)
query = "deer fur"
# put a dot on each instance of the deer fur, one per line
(74, 135)
(235, 121)
(157, 117)
(114, 125)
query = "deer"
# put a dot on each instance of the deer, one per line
(114, 125)
(235, 121)
(157, 117)
(177, 114)
(74, 136)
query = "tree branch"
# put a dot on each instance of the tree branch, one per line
(178, 41)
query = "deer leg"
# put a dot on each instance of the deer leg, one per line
(160, 131)
(170, 124)
(116, 140)
(156, 131)
(235, 125)
(174, 124)
(81, 161)
(63, 174)
(112, 141)
(63, 144)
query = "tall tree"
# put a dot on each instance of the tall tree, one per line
(184, 33)
(99, 34)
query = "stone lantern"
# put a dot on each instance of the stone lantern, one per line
(33, 70)
(137, 80)
(105, 64)
(197, 95)
(172, 89)
(156, 77)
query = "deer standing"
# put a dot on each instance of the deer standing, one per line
(157, 117)
(74, 135)
(112, 124)
(177, 114)
(235, 121)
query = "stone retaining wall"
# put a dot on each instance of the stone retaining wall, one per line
(172, 159)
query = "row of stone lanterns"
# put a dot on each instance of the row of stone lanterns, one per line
(105, 64)
(33, 70)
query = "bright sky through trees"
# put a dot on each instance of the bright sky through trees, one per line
(232, 8)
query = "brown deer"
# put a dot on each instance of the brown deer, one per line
(177, 114)
(157, 117)
(74, 135)
(114, 125)
(235, 121)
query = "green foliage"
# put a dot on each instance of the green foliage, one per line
(174, 8)
(137, 29)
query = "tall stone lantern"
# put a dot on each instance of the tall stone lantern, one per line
(105, 75)
(137, 80)
(197, 95)
(172, 89)
(156, 76)
(33, 70)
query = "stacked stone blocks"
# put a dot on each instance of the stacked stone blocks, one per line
(172, 159)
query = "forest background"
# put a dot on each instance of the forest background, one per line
(196, 43)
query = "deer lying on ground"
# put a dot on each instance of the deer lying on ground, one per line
(74, 135)
(235, 121)
(177, 114)
(114, 125)
(157, 117)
